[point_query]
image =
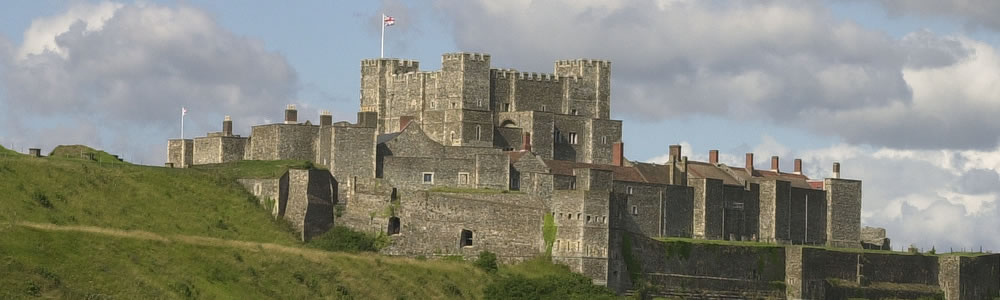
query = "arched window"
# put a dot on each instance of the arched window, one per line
(393, 226)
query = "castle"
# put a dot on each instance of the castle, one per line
(471, 158)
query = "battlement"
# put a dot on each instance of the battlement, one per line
(527, 76)
(584, 62)
(466, 56)
(413, 76)
(390, 61)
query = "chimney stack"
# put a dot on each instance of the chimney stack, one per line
(403, 121)
(227, 126)
(836, 170)
(618, 154)
(713, 156)
(675, 152)
(774, 164)
(749, 165)
(291, 114)
(526, 143)
(325, 118)
(798, 166)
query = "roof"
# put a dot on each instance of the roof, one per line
(382, 138)
(653, 173)
(621, 173)
(699, 169)
(796, 180)
(515, 155)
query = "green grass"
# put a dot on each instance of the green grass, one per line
(8, 152)
(79, 152)
(131, 197)
(70, 265)
(173, 208)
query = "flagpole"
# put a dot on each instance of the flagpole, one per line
(182, 123)
(382, 43)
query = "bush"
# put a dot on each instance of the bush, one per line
(487, 261)
(542, 279)
(344, 239)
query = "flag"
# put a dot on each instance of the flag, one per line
(184, 111)
(388, 21)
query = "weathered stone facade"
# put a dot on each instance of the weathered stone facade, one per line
(471, 158)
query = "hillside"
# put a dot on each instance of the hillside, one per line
(76, 228)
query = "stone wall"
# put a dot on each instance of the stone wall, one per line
(180, 152)
(816, 273)
(774, 211)
(649, 206)
(678, 211)
(843, 200)
(807, 216)
(304, 198)
(492, 171)
(708, 208)
(964, 277)
(283, 141)
(268, 192)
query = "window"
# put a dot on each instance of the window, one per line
(604, 140)
(505, 107)
(454, 105)
(573, 112)
(572, 185)
(393, 226)
(579, 216)
(465, 238)
(556, 136)
(257, 189)
(588, 218)
(572, 138)
(479, 132)
(479, 102)
(569, 216)
(428, 178)
(635, 210)
(544, 107)
(463, 178)
(629, 190)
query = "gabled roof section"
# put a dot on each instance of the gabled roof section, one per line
(382, 138)
(699, 169)
(525, 161)
(653, 173)
(621, 173)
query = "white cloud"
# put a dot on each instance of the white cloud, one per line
(975, 13)
(788, 62)
(127, 69)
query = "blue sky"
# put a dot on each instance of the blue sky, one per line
(900, 92)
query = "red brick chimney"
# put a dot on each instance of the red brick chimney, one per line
(774, 164)
(675, 153)
(403, 121)
(798, 166)
(618, 154)
(526, 144)
(749, 165)
(713, 156)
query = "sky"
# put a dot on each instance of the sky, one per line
(904, 94)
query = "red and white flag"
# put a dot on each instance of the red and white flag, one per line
(184, 111)
(388, 21)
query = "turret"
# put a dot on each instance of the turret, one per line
(589, 93)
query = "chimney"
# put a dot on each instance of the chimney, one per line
(836, 170)
(774, 164)
(713, 156)
(526, 144)
(749, 165)
(675, 152)
(618, 154)
(798, 166)
(325, 118)
(227, 126)
(403, 121)
(291, 115)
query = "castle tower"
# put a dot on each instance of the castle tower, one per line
(843, 211)
(464, 100)
(375, 75)
(588, 93)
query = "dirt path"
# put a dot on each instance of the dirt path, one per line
(310, 254)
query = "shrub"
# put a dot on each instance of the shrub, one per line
(344, 239)
(542, 279)
(486, 261)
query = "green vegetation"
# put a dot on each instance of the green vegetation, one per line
(346, 240)
(631, 262)
(79, 229)
(549, 230)
(487, 261)
(8, 152)
(539, 278)
(82, 152)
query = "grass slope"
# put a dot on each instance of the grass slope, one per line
(147, 232)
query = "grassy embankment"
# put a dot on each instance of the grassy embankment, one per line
(75, 228)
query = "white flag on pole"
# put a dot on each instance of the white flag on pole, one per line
(388, 21)
(184, 111)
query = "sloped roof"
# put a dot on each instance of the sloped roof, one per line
(653, 173)
(382, 138)
(699, 169)
(621, 173)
